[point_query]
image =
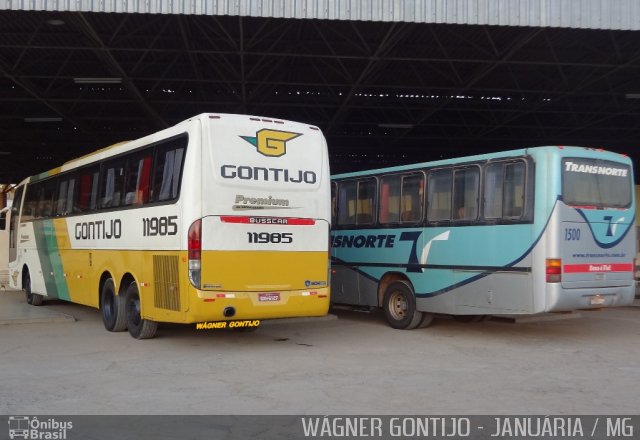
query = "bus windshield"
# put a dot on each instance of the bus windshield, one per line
(596, 183)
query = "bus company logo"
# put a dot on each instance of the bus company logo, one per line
(595, 169)
(32, 428)
(271, 143)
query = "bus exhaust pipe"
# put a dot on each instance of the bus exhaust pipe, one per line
(228, 312)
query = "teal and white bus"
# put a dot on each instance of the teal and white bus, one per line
(545, 229)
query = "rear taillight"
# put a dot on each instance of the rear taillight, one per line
(194, 243)
(554, 270)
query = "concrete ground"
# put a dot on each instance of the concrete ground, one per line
(66, 363)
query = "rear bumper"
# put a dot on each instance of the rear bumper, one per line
(560, 300)
(209, 306)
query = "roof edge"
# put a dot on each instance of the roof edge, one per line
(583, 14)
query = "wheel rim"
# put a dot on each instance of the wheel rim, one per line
(398, 305)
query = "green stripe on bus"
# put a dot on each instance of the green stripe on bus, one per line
(50, 261)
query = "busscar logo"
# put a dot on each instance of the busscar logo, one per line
(271, 143)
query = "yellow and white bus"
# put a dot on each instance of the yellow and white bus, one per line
(219, 218)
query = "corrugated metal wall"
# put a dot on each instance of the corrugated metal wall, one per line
(592, 14)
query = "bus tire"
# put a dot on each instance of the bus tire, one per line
(32, 298)
(427, 319)
(112, 306)
(399, 305)
(138, 327)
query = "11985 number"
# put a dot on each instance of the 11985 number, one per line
(273, 237)
(154, 226)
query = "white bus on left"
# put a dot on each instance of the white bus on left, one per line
(221, 217)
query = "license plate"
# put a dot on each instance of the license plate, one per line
(268, 297)
(596, 300)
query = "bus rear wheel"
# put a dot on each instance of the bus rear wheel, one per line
(32, 298)
(112, 306)
(138, 327)
(399, 306)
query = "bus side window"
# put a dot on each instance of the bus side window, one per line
(46, 191)
(62, 197)
(504, 190)
(111, 183)
(167, 170)
(439, 195)
(513, 204)
(356, 202)
(347, 192)
(334, 202)
(493, 178)
(365, 206)
(85, 197)
(37, 194)
(30, 203)
(466, 186)
(412, 198)
(389, 211)
(138, 179)
(66, 188)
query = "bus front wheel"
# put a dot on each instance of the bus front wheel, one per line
(138, 327)
(32, 298)
(399, 306)
(112, 306)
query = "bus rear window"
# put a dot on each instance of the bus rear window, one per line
(596, 183)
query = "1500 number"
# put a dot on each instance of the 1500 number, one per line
(154, 226)
(572, 234)
(274, 237)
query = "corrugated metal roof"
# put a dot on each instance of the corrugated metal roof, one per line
(586, 14)
(382, 92)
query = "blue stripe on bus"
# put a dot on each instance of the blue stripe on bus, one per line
(591, 221)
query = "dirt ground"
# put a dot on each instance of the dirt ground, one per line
(586, 363)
